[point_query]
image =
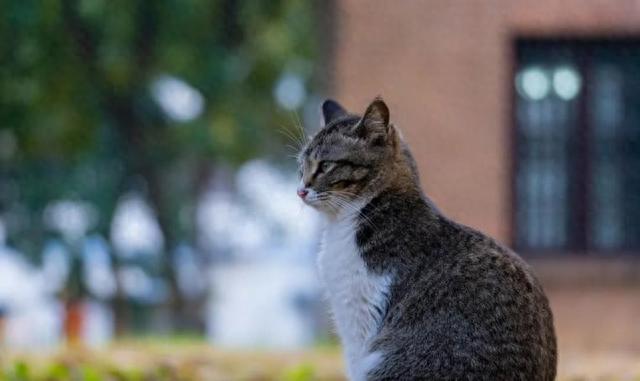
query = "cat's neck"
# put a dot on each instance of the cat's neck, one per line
(348, 212)
(397, 197)
(402, 177)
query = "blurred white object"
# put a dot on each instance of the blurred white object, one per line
(289, 91)
(71, 218)
(566, 82)
(134, 229)
(179, 100)
(32, 315)
(264, 289)
(262, 304)
(262, 217)
(533, 83)
(98, 324)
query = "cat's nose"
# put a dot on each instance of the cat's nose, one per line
(302, 192)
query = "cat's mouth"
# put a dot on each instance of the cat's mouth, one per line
(326, 202)
(315, 199)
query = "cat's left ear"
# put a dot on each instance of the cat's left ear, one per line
(375, 120)
(332, 110)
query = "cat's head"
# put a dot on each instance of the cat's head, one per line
(351, 158)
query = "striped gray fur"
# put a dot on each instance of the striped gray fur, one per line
(432, 299)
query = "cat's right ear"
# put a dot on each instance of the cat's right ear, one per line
(331, 110)
(375, 122)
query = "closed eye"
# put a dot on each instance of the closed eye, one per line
(341, 183)
(326, 166)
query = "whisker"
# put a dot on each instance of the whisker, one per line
(343, 202)
(294, 135)
(292, 138)
(297, 123)
(361, 214)
(299, 129)
(340, 192)
(285, 132)
(293, 152)
(346, 205)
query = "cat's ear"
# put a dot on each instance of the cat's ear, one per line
(331, 110)
(375, 120)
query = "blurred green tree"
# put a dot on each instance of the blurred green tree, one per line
(79, 121)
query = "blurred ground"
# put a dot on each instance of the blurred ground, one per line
(598, 332)
(175, 362)
(597, 319)
(193, 361)
(598, 339)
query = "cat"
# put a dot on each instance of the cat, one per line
(414, 295)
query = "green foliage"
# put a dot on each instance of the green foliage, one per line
(78, 120)
(75, 78)
(302, 372)
(89, 373)
(160, 360)
(142, 361)
(57, 371)
(20, 372)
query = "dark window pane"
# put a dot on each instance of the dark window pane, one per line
(606, 193)
(577, 114)
(546, 108)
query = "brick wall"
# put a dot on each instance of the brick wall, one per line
(445, 69)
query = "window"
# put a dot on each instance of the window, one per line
(577, 145)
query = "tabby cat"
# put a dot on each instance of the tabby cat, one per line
(414, 294)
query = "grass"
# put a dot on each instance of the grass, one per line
(154, 359)
(159, 359)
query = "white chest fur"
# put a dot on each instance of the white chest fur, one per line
(357, 296)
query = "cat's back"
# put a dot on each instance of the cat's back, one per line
(461, 306)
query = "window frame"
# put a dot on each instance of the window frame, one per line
(578, 243)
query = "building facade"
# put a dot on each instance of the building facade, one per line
(461, 79)
(524, 118)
